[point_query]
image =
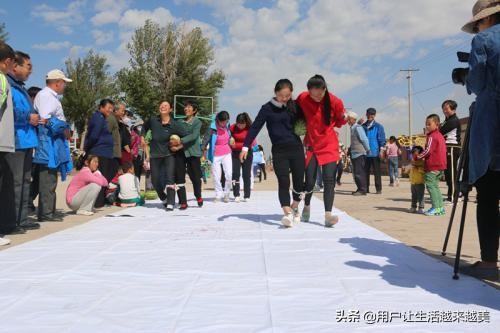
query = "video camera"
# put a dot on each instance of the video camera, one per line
(459, 75)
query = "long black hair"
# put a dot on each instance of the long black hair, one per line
(318, 81)
(244, 118)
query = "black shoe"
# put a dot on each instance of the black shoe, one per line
(49, 218)
(30, 225)
(31, 209)
(379, 192)
(59, 214)
(358, 193)
(15, 231)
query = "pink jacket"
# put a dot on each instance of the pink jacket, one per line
(82, 179)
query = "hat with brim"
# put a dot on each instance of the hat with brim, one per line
(481, 10)
(57, 74)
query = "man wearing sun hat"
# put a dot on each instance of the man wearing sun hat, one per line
(48, 105)
(484, 147)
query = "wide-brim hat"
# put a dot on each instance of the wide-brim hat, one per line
(481, 9)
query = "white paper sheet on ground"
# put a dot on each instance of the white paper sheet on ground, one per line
(231, 268)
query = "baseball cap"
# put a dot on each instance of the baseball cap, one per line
(57, 74)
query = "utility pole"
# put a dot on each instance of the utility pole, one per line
(409, 77)
(347, 132)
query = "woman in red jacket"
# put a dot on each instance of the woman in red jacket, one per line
(322, 111)
(239, 131)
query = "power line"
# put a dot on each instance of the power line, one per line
(432, 88)
(430, 58)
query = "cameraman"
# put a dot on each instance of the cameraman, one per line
(484, 147)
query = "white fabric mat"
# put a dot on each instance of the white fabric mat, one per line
(233, 268)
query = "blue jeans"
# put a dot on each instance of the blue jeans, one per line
(393, 169)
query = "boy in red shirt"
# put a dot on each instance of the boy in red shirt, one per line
(435, 163)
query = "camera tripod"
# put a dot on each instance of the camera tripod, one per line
(463, 187)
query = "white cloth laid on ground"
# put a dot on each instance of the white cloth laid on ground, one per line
(232, 268)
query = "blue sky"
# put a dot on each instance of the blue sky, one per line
(358, 45)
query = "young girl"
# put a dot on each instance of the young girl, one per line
(190, 156)
(417, 180)
(161, 157)
(262, 164)
(322, 111)
(85, 186)
(279, 115)
(129, 188)
(393, 151)
(239, 132)
(218, 139)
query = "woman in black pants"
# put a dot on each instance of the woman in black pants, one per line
(323, 112)
(189, 157)
(239, 132)
(279, 115)
(162, 152)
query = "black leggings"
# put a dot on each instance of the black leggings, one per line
(289, 158)
(488, 215)
(193, 165)
(328, 172)
(340, 170)
(247, 174)
(262, 167)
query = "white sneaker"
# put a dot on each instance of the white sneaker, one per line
(246, 199)
(331, 220)
(226, 198)
(4, 241)
(84, 212)
(237, 199)
(287, 220)
(216, 200)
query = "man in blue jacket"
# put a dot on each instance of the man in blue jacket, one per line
(25, 122)
(376, 137)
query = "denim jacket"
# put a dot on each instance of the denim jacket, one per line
(484, 81)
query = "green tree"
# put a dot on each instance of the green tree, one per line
(165, 62)
(3, 33)
(91, 82)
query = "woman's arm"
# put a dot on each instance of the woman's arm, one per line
(338, 112)
(194, 134)
(476, 79)
(254, 130)
(93, 177)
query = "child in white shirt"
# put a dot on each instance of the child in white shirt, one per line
(128, 185)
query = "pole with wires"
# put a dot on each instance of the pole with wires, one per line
(409, 77)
